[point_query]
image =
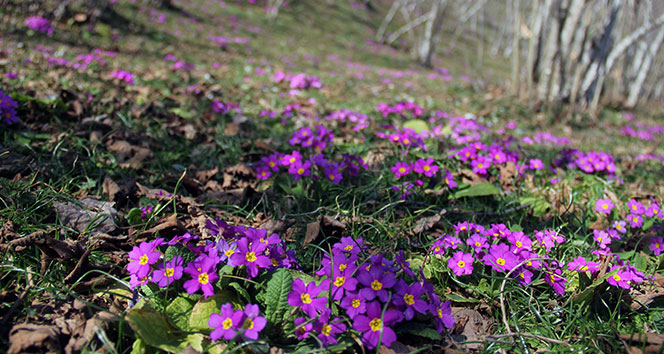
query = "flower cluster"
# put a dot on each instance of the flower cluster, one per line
(39, 24)
(374, 294)
(403, 137)
(8, 108)
(401, 109)
(501, 250)
(359, 120)
(236, 246)
(298, 81)
(316, 138)
(223, 108)
(178, 64)
(230, 323)
(299, 167)
(123, 76)
(590, 162)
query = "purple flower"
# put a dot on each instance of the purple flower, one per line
(226, 324)
(328, 329)
(635, 221)
(442, 312)
(524, 275)
(635, 207)
(535, 164)
(602, 238)
(520, 241)
(449, 180)
(203, 272)
(343, 281)
(376, 282)
(657, 245)
(556, 281)
(500, 258)
(289, 160)
(251, 255)
(426, 167)
(354, 304)
(621, 278)
(300, 169)
(374, 323)
(580, 264)
(263, 172)
(604, 206)
(481, 164)
(143, 257)
(400, 169)
(410, 298)
(333, 173)
(305, 296)
(123, 76)
(39, 24)
(302, 328)
(654, 211)
(477, 242)
(253, 323)
(168, 272)
(620, 226)
(349, 245)
(461, 263)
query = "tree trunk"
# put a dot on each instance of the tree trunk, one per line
(637, 85)
(430, 36)
(549, 53)
(516, 53)
(380, 35)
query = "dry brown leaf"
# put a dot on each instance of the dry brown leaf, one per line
(206, 175)
(313, 229)
(129, 156)
(27, 337)
(470, 326)
(168, 226)
(231, 129)
(78, 217)
(427, 223)
(110, 188)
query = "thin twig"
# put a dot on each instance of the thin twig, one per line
(529, 335)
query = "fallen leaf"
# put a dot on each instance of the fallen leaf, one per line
(470, 326)
(128, 155)
(313, 229)
(206, 175)
(427, 223)
(168, 226)
(34, 338)
(101, 214)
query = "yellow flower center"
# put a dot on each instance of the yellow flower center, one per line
(634, 207)
(271, 163)
(409, 299)
(477, 244)
(376, 285)
(263, 240)
(440, 313)
(356, 303)
(426, 168)
(461, 264)
(143, 260)
(599, 239)
(203, 278)
(169, 272)
(480, 165)
(500, 261)
(616, 277)
(229, 253)
(376, 324)
(605, 206)
(462, 228)
(635, 219)
(248, 324)
(292, 159)
(447, 180)
(552, 278)
(306, 299)
(406, 141)
(519, 244)
(349, 248)
(339, 281)
(584, 268)
(274, 262)
(657, 244)
(228, 323)
(250, 257)
(300, 171)
(331, 176)
(402, 170)
(342, 267)
(326, 329)
(522, 275)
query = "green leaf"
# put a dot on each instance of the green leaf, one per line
(482, 189)
(134, 216)
(183, 113)
(154, 329)
(180, 308)
(420, 330)
(276, 295)
(417, 125)
(200, 314)
(139, 347)
(240, 291)
(459, 298)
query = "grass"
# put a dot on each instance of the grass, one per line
(71, 157)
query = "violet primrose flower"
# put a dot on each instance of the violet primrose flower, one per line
(305, 296)
(203, 273)
(143, 257)
(226, 324)
(374, 322)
